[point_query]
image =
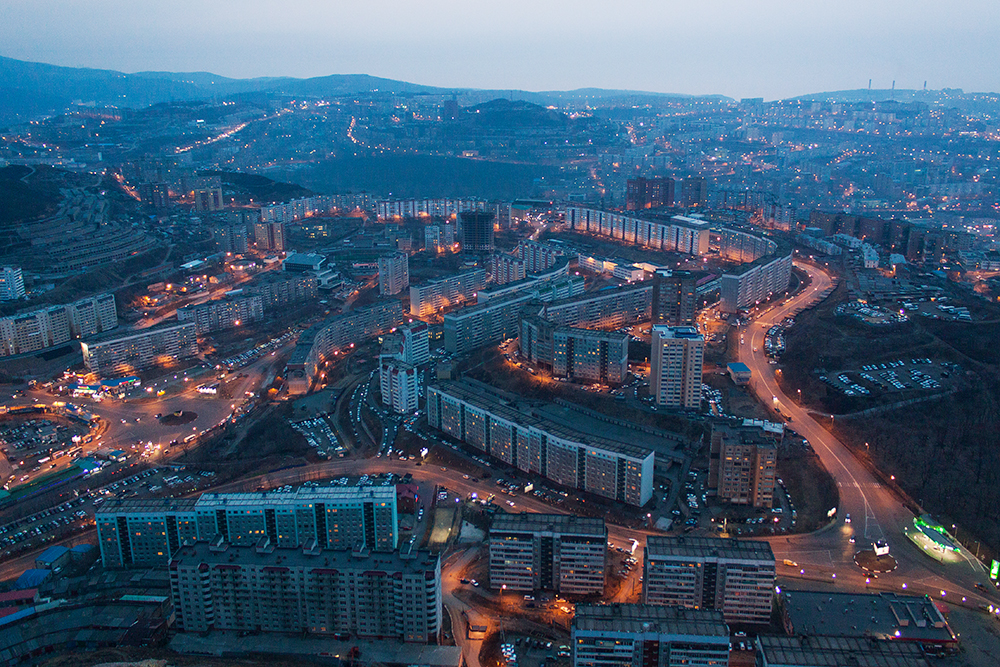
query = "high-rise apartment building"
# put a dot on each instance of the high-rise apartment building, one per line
(262, 587)
(55, 325)
(270, 236)
(11, 283)
(398, 382)
(743, 465)
(735, 577)
(676, 234)
(477, 232)
(208, 199)
(231, 238)
(393, 273)
(506, 269)
(465, 329)
(147, 531)
(604, 309)
(579, 355)
(676, 358)
(432, 238)
(674, 298)
(555, 552)
(642, 193)
(642, 635)
(538, 257)
(434, 295)
(694, 192)
(124, 355)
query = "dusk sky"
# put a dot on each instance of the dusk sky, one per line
(747, 48)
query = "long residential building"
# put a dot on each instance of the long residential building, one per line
(125, 354)
(676, 234)
(436, 295)
(744, 247)
(322, 341)
(642, 635)
(555, 552)
(227, 313)
(735, 577)
(279, 288)
(491, 322)
(579, 355)
(260, 587)
(12, 283)
(475, 413)
(147, 531)
(610, 308)
(54, 325)
(751, 284)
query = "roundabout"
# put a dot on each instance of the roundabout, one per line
(178, 418)
(870, 562)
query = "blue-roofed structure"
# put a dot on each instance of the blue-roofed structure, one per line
(53, 557)
(739, 372)
(31, 579)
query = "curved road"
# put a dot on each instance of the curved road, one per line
(876, 512)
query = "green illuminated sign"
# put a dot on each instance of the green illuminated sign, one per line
(995, 570)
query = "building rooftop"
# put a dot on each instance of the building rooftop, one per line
(689, 333)
(117, 335)
(414, 562)
(859, 615)
(650, 618)
(836, 651)
(137, 505)
(529, 522)
(686, 546)
(52, 554)
(305, 494)
(506, 406)
(739, 367)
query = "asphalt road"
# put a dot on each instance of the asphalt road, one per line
(876, 512)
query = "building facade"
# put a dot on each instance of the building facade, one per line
(147, 531)
(435, 295)
(466, 329)
(399, 385)
(506, 269)
(486, 419)
(642, 635)
(604, 309)
(674, 234)
(54, 325)
(675, 298)
(754, 283)
(260, 587)
(11, 283)
(556, 552)
(227, 313)
(477, 232)
(393, 273)
(321, 342)
(676, 359)
(579, 355)
(123, 355)
(735, 577)
(743, 465)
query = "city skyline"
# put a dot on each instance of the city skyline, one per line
(777, 50)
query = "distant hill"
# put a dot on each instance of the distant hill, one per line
(31, 90)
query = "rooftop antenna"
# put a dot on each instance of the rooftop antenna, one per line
(869, 84)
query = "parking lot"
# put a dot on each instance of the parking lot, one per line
(320, 436)
(901, 375)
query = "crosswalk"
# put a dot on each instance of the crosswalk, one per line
(859, 485)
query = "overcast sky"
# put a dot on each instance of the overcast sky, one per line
(740, 48)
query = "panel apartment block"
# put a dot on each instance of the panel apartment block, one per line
(605, 309)
(676, 361)
(674, 234)
(146, 532)
(123, 355)
(743, 465)
(489, 421)
(735, 577)
(322, 341)
(751, 284)
(54, 325)
(648, 636)
(436, 295)
(322, 591)
(469, 328)
(557, 552)
(580, 355)
(227, 313)
(393, 273)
